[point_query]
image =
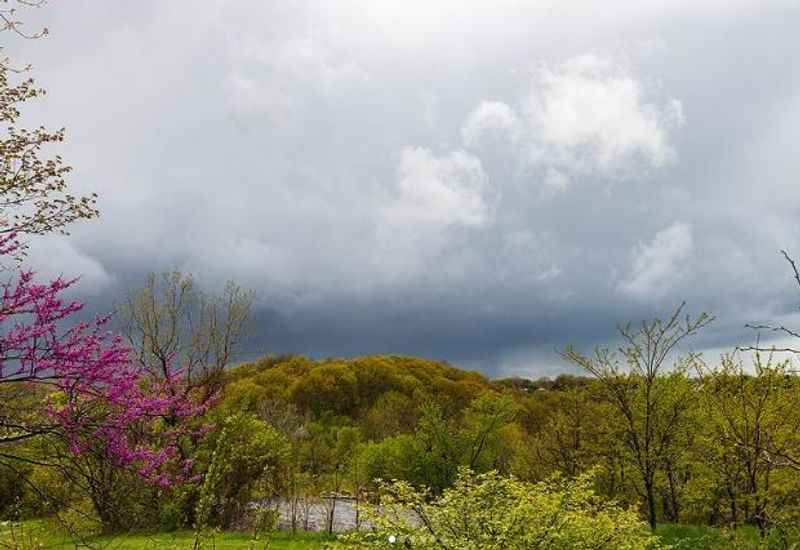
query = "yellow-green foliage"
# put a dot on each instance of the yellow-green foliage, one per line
(246, 461)
(353, 387)
(489, 512)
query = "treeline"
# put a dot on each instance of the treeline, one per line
(717, 446)
(677, 439)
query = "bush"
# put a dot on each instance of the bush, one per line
(246, 464)
(488, 512)
(172, 516)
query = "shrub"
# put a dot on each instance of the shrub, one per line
(488, 511)
(245, 465)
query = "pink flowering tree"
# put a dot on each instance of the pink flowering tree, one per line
(71, 394)
(85, 388)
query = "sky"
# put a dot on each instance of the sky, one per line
(477, 182)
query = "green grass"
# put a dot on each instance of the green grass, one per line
(700, 537)
(680, 537)
(178, 540)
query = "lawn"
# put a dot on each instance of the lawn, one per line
(700, 537)
(178, 540)
(681, 537)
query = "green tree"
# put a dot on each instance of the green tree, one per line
(246, 458)
(393, 413)
(569, 441)
(437, 454)
(751, 419)
(327, 388)
(489, 432)
(652, 403)
(391, 458)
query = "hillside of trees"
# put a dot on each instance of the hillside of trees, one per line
(721, 445)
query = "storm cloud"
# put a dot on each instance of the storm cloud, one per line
(481, 182)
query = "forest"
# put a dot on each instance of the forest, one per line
(356, 448)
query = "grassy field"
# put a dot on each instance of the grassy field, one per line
(699, 537)
(681, 537)
(35, 531)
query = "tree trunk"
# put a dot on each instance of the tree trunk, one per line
(734, 507)
(332, 515)
(651, 504)
(673, 497)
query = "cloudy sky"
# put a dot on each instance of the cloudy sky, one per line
(481, 182)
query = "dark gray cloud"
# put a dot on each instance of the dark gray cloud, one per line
(479, 182)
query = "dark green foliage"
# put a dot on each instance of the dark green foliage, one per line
(12, 490)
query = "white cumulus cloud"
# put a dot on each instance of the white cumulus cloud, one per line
(491, 120)
(447, 190)
(433, 201)
(592, 115)
(660, 264)
(585, 117)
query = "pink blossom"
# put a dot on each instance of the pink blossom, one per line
(99, 395)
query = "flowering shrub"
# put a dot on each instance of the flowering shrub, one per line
(488, 511)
